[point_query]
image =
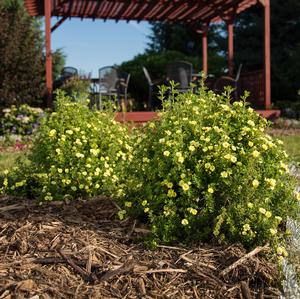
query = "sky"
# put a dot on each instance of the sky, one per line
(90, 45)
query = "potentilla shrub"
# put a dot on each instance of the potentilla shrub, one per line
(207, 170)
(77, 152)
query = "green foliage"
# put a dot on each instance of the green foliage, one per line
(206, 170)
(21, 121)
(285, 47)
(21, 64)
(156, 64)
(77, 86)
(77, 152)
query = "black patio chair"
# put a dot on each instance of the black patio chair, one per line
(122, 85)
(68, 72)
(180, 72)
(108, 78)
(151, 85)
(224, 81)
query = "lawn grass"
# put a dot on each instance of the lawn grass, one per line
(8, 159)
(292, 146)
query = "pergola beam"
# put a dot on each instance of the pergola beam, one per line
(58, 23)
(47, 7)
(267, 50)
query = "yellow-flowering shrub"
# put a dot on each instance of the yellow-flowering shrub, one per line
(77, 152)
(208, 170)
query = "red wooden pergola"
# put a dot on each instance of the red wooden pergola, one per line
(195, 13)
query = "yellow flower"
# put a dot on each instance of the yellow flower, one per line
(144, 203)
(265, 147)
(224, 174)
(146, 210)
(191, 148)
(273, 231)
(225, 144)
(271, 183)
(59, 170)
(255, 153)
(246, 227)
(171, 193)
(185, 187)
(178, 154)
(278, 218)
(169, 184)
(233, 159)
(192, 211)
(251, 123)
(5, 171)
(166, 153)
(169, 133)
(180, 159)
(262, 210)
(210, 190)
(250, 205)
(255, 183)
(128, 204)
(268, 214)
(250, 143)
(298, 196)
(52, 132)
(70, 132)
(184, 222)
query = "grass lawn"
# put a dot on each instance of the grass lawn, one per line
(8, 159)
(292, 145)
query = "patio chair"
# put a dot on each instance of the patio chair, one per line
(108, 78)
(229, 81)
(122, 85)
(68, 72)
(151, 84)
(180, 72)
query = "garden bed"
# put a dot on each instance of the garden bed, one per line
(80, 250)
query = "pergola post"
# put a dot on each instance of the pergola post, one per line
(204, 49)
(230, 48)
(267, 46)
(47, 7)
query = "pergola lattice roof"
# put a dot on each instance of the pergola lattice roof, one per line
(185, 11)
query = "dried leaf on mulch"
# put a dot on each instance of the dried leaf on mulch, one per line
(80, 250)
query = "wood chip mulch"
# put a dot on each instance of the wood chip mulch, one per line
(80, 250)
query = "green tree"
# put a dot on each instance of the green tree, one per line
(285, 45)
(22, 59)
(21, 64)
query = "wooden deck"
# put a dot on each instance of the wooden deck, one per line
(141, 117)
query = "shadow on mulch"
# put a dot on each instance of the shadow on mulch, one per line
(80, 250)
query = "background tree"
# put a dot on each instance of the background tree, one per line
(22, 62)
(248, 43)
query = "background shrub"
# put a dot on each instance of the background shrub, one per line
(22, 120)
(77, 152)
(207, 170)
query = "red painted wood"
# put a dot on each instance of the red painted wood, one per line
(47, 6)
(267, 55)
(204, 51)
(230, 48)
(137, 117)
(140, 117)
(190, 11)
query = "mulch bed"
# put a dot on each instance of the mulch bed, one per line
(80, 250)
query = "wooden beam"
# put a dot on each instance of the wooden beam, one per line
(267, 46)
(47, 7)
(230, 48)
(204, 49)
(58, 23)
